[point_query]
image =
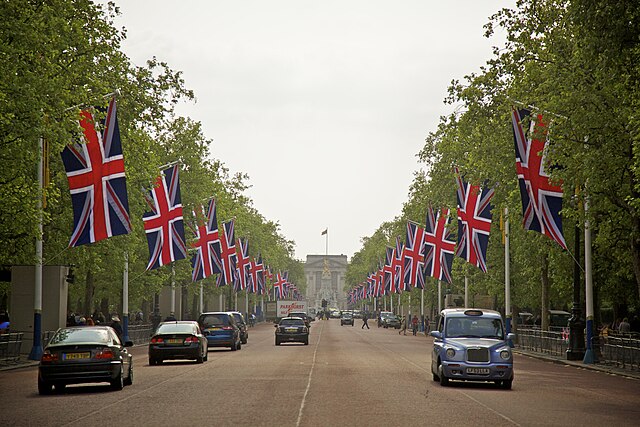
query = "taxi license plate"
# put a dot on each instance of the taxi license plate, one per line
(174, 341)
(478, 371)
(76, 356)
(292, 329)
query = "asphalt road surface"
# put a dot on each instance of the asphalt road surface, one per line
(346, 376)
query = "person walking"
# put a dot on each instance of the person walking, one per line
(115, 324)
(365, 317)
(414, 325)
(403, 326)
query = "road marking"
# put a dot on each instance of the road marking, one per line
(313, 364)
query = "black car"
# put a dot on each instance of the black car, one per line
(292, 329)
(85, 354)
(390, 320)
(221, 329)
(304, 316)
(178, 340)
(242, 324)
(346, 318)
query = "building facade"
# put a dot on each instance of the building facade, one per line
(326, 275)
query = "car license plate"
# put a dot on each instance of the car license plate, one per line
(76, 356)
(174, 341)
(292, 329)
(478, 371)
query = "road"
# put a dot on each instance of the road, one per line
(345, 376)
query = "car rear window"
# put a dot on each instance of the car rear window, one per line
(80, 335)
(209, 320)
(175, 328)
(291, 322)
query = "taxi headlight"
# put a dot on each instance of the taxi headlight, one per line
(451, 352)
(505, 354)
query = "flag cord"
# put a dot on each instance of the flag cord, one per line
(56, 256)
(575, 260)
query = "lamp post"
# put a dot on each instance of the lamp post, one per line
(576, 324)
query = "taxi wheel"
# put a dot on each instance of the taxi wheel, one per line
(234, 346)
(206, 355)
(506, 384)
(444, 381)
(199, 359)
(59, 387)
(277, 341)
(306, 342)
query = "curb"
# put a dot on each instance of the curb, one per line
(577, 364)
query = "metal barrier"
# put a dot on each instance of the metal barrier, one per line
(10, 347)
(546, 342)
(622, 351)
(140, 334)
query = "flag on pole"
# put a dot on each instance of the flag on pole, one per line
(207, 243)
(163, 225)
(326, 230)
(541, 199)
(243, 265)
(474, 222)
(414, 256)
(439, 245)
(95, 171)
(227, 260)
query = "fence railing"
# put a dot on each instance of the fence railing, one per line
(10, 347)
(546, 342)
(140, 334)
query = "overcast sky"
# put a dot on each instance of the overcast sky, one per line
(325, 104)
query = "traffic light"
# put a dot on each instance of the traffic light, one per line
(71, 278)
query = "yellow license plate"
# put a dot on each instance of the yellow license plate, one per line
(174, 341)
(292, 329)
(75, 356)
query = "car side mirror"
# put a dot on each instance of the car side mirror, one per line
(511, 336)
(436, 334)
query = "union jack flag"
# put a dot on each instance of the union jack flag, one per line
(243, 264)
(439, 245)
(541, 200)
(388, 272)
(257, 275)
(279, 287)
(398, 267)
(414, 256)
(207, 243)
(379, 275)
(95, 171)
(163, 224)
(227, 260)
(474, 222)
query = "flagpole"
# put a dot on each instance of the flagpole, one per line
(589, 357)
(125, 298)
(201, 298)
(36, 350)
(466, 291)
(173, 290)
(439, 297)
(507, 272)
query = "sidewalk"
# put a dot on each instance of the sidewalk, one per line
(578, 364)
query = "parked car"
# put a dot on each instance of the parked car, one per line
(304, 316)
(389, 320)
(292, 329)
(242, 324)
(346, 318)
(471, 345)
(221, 329)
(85, 354)
(178, 340)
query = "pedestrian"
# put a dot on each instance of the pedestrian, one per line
(89, 321)
(4, 322)
(365, 317)
(403, 326)
(414, 325)
(101, 318)
(426, 325)
(115, 324)
(624, 326)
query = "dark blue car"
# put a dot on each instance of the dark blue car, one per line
(471, 345)
(221, 329)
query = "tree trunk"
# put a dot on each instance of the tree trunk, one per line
(88, 293)
(544, 278)
(635, 251)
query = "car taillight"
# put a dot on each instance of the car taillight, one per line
(191, 339)
(156, 340)
(105, 354)
(47, 356)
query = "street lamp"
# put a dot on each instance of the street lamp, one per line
(576, 324)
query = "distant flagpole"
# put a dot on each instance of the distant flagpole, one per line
(326, 246)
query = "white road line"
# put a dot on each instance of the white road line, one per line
(313, 364)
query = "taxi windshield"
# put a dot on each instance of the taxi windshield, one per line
(474, 327)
